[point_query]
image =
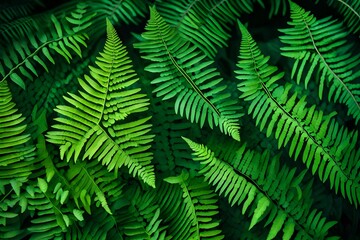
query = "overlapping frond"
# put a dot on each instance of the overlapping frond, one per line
(198, 210)
(139, 215)
(278, 7)
(204, 23)
(18, 29)
(320, 45)
(170, 151)
(264, 190)
(98, 123)
(50, 217)
(350, 10)
(186, 74)
(11, 10)
(127, 11)
(326, 147)
(20, 60)
(17, 154)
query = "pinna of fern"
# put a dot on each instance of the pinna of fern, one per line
(97, 124)
(324, 146)
(186, 75)
(321, 46)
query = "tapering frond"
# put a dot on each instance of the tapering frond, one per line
(98, 124)
(19, 61)
(266, 192)
(17, 154)
(350, 10)
(207, 24)
(321, 45)
(199, 209)
(327, 148)
(186, 74)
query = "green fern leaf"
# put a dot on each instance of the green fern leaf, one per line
(198, 198)
(96, 125)
(184, 75)
(319, 139)
(21, 56)
(350, 10)
(139, 216)
(17, 155)
(321, 45)
(204, 23)
(241, 183)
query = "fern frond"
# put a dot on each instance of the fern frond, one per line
(185, 75)
(50, 218)
(199, 207)
(327, 148)
(17, 155)
(12, 10)
(19, 60)
(205, 23)
(276, 6)
(85, 181)
(350, 10)
(169, 149)
(256, 182)
(96, 126)
(139, 216)
(102, 226)
(19, 29)
(320, 44)
(120, 11)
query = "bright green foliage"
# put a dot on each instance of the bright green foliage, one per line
(198, 210)
(319, 47)
(256, 182)
(19, 61)
(204, 23)
(326, 148)
(17, 155)
(95, 132)
(96, 127)
(185, 74)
